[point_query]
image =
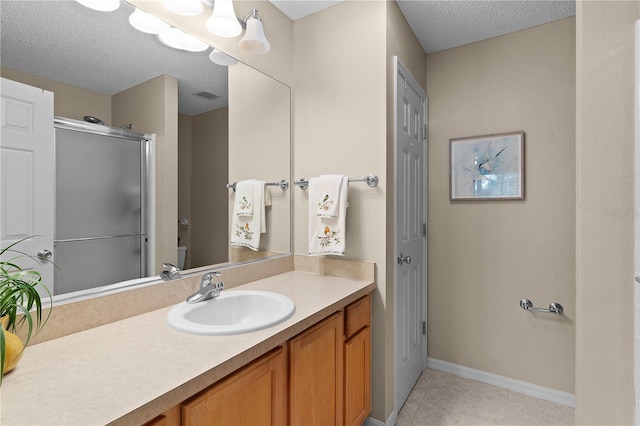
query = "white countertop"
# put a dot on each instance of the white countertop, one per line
(131, 370)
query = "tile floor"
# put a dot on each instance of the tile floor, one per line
(440, 398)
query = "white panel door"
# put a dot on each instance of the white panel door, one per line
(410, 261)
(27, 173)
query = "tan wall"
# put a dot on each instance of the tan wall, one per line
(209, 174)
(605, 171)
(278, 29)
(260, 148)
(403, 43)
(340, 128)
(69, 101)
(152, 107)
(485, 256)
(185, 149)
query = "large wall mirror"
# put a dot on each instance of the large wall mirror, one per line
(222, 124)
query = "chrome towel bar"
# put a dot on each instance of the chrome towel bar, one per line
(371, 180)
(554, 308)
(283, 184)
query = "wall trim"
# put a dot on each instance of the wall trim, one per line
(536, 391)
(391, 421)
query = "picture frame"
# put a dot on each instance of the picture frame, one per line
(487, 167)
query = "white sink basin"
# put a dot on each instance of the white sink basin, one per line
(233, 312)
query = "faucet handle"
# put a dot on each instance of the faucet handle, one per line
(172, 268)
(172, 273)
(207, 278)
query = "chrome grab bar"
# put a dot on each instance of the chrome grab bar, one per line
(554, 308)
(283, 184)
(371, 180)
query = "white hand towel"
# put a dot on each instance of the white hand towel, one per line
(246, 230)
(327, 234)
(243, 205)
(328, 197)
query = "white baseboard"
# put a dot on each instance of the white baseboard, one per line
(536, 391)
(391, 421)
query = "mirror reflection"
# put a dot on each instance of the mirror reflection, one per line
(212, 125)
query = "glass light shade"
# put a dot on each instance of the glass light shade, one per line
(219, 57)
(183, 7)
(147, 23)
(101, 5)
(223, 21)
(254, 40)
(177, 39)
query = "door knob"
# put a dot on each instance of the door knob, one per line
(403, 259)
(45, 254)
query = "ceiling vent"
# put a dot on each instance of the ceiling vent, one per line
(206, 95)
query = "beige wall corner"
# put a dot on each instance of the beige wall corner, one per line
(152, 107)
(340, 119)
(185, 170)
(605, 184)
(484, 256)
(209, 175)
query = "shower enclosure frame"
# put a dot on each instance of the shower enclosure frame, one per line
(147, 188)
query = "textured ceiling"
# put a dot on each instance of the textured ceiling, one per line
(441, 25)
(64, 41)
(296, 9)
(100, 51)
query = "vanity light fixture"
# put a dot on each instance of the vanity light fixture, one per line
(147, 23)
(178, 39)
(219, 57)
(254, 40)
(223, 21)
(183, 7)
(101, 5)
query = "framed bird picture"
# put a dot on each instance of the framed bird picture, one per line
(488, 167)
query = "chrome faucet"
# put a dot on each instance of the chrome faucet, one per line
(172, 274)
(208, 289)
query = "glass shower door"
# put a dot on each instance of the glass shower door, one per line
(99, 235)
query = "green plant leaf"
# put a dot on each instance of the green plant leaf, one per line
(20, 299)
(2, 354)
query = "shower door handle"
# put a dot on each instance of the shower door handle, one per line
(403, 259)
(45, 254)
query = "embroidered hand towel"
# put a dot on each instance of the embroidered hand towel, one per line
(327, 234)
(246, 230)
(328, 198)
(244, 201)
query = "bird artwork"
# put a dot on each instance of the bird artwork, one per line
(486, 166)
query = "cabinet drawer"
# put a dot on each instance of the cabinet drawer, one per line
(357, 316)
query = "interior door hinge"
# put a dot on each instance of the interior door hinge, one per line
(424, 132)
(424, 328)
(424, 229)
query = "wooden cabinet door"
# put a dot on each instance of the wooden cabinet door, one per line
(316, 374)
(170, 417)
(357, 378)
(254, 395)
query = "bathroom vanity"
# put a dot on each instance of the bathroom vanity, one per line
(320, 376)
(139, 370)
